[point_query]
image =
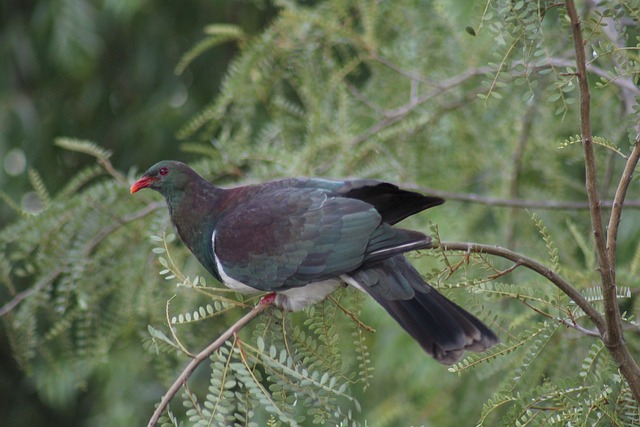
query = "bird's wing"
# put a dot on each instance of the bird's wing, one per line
(392, 203)
(289, 237)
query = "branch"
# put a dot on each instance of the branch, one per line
(353, 316)
(612, 337)
(612, 314)
(618, 202)
(106, 164)
(568, 322)
(106, 231)
(204, 354)
(539, 268)
(626, 85)
(18, 298)
(514, 203)
(392, 116)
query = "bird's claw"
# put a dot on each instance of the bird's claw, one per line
(268, 299)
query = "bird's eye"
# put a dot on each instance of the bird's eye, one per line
(163, 171)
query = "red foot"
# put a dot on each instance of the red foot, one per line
(268, 299)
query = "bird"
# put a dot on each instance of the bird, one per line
(300, 239)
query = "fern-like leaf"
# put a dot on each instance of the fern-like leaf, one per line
(40, 188)
(83, 146)
(160, 340)
(473, 360)
(603, 142)
(534, 351)
(595, 293)
(13, 205)
(218, 34)
(551, 248)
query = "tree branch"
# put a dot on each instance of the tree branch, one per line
(568, 322)
(626, 85)
(589, 153)
(612, 315)
(539, 268)
(204, 354)
(514, 203)
(392, 116)
(613, 338)
(618, 202)
(18, 298)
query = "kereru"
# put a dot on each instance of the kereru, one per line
(302, 238)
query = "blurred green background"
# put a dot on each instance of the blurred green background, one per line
(475, 101)
(101, 71)
(104, 71)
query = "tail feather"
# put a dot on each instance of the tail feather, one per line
(441, 327)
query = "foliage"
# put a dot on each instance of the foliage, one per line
(291, 365)
(102, 71)
(391, 90)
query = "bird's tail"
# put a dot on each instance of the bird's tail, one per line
(441, 327)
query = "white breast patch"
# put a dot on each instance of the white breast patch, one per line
(228, 281)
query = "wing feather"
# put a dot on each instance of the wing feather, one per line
(286, 237)
(291, 237)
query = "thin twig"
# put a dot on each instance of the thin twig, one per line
(173, 329)
(503, 272)
(363, 98)
(625, 84)
(514, 203)
(351, 315)
(572, 324)
(567, 322)
(18, 298)
(618, 202)
(203, 355)
(107, 230)
(392, 116)
(533, 265)
(106, 164)
(395, 67)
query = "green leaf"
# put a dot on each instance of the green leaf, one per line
(83, 146)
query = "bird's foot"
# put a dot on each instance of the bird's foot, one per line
(268, 299)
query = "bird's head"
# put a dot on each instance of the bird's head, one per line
(165, 177)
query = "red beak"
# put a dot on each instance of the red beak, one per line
(143, 182)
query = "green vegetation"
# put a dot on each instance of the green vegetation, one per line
(491, 106)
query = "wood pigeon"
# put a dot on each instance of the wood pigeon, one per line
(302, 238)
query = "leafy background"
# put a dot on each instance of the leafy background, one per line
(474, 101)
